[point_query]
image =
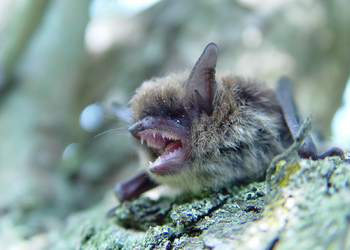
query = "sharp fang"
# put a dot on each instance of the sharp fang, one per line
(154, 134)
(142, 139)
(150, 163)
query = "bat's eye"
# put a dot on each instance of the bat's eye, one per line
(177, 121)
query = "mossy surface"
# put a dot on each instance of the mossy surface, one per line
(309, 208)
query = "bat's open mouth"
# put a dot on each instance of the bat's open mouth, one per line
(169, 147)
(167, 138)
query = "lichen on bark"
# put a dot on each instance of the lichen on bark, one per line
(309, 208)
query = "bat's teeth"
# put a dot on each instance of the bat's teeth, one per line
(154, 133)
(150, 163)
(142, 139)
(168, 136)
(172, 154)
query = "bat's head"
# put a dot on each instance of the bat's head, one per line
(196, 129)
(165, 108)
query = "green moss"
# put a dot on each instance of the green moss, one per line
(143, 213)
(159, 237)
(310, 208)
(320, 206)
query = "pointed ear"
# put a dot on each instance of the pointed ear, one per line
(201, 86)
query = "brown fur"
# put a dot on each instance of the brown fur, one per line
(232, 145)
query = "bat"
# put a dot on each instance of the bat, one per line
(201, 129)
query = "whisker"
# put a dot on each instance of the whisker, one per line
(111, 131)
(177, 182)
(189, 189)
(111, 117)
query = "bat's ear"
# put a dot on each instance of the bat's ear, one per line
(122, 112)
(201, 86)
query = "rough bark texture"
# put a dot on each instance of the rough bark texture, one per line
(309, 209)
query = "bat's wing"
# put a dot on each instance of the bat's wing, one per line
(308, 148)
(134, 186)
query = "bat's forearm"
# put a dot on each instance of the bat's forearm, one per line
(285, 97)
(134, 186)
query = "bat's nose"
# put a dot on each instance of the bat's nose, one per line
(148, 122)
(135, 128)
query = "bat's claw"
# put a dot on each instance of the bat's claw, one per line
(332, 152)
(110, 213)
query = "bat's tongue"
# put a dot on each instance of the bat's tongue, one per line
(171, 147)
(170, 161)
(167, 138)
(168, 146)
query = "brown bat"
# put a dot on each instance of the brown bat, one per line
(200, 129)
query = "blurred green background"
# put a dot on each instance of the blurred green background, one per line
(63, 62)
